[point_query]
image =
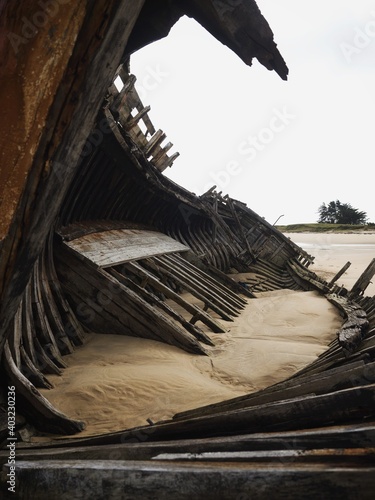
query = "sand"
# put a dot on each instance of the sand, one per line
(117, 382)
(333, 250)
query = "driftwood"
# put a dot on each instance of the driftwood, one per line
(356, 323)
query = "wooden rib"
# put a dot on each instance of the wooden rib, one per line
(154, 300)
(240, 227)
(195, 287)
(28, 332)
(72, 326)
(45, 363)
(210, 289)
(169, 332)
(53, 315)
(44, 332)
(32, 373)
(226, 294)
(136, 268)
(135, 312)
(15, 336)
(160, 267)
(35, 406)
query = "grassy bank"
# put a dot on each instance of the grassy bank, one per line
(325, 228)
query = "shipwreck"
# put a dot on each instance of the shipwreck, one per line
(94, 237)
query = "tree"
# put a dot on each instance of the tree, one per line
(340, 213)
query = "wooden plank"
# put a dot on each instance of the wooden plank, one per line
(144, 448)
(110, 248)
(155, 141)
(214, 325)
(214, 289)
(161, 267)
(134, 312)
(220, 289)
(146, 480)
(133, 121)
(154, 300)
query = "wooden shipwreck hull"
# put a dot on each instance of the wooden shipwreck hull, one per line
(94, 238)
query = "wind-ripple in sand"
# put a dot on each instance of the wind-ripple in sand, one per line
(117, 382)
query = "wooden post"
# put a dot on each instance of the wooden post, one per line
(364, 280)
(340, 273)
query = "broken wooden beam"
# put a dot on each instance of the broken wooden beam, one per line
(364, 280)
(356, 323)
(340, 273)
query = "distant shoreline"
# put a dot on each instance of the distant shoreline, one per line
(327, 228)
(333, 249)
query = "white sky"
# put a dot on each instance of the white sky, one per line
(210, 105)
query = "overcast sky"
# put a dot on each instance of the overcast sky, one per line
(283, 148)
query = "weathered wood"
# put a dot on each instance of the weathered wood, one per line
(70, 480)
(142, 447)
(113, 247)
(154, 300)
(133, 311)
(309, 411)
(133, 121)
(214, 325)
(225, 293)
(154, 142)
(214, 290)
(240, 227)
(32, 373)
(35, 406)
(308, 277)
(364, 280)
(219, 276)
(55, 320)
(355, 326)
(94, 38)
(323, 383)
(168, 161)
(194, 287)
(344, 268)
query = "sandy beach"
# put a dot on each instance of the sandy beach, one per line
(333, 250)
(118, 382)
